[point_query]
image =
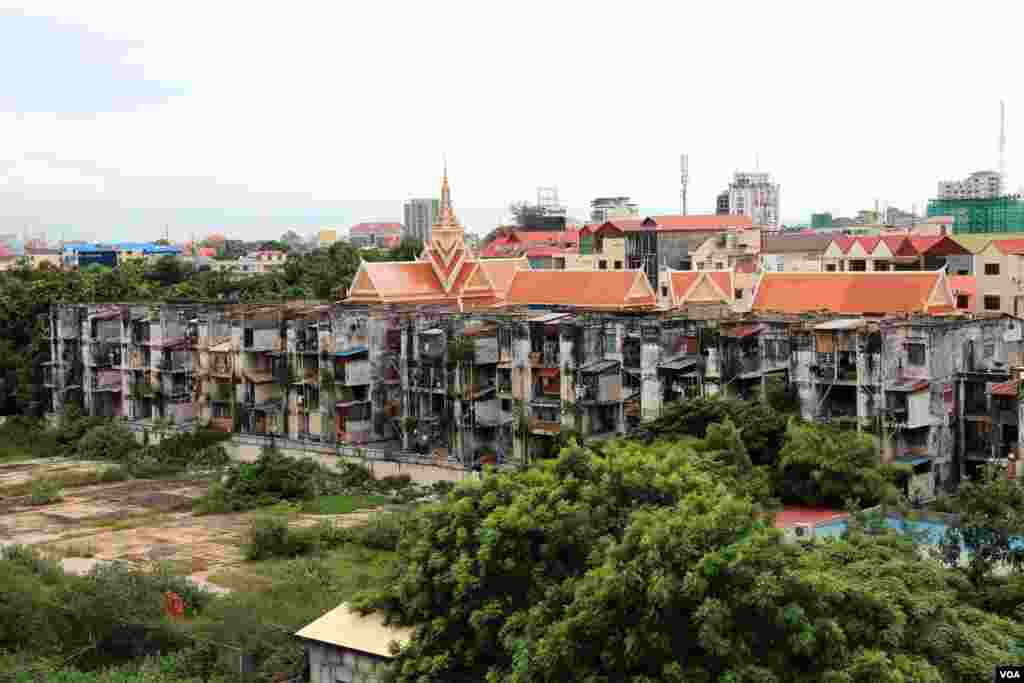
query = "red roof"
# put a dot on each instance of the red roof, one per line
(1015, 247)
(582, 288)
(501, 271)
(743, 331)
(937, 245)
(707, 223)
(899, 245)
(559, 236)
(792, 514)
(963, 284)
(546, 251)
(1006, 389)
(852, 293)
(374, 228)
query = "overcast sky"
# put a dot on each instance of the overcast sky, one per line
(119, 118)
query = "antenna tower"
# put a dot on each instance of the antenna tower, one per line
(1002, 145)
(684, 180)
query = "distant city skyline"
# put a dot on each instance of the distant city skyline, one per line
(116, 120)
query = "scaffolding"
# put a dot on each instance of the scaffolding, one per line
(999, 214)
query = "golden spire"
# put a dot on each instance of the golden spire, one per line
(445, 214)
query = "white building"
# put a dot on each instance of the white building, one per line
(420, 215)
(603, 209)
(978, 185)
(754, 194)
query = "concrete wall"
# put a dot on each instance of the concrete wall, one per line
(328, 664)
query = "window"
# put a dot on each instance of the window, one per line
(988, 350)
(718, 266)
(991, 269)
(881, 266)
(992, 302)
(602, 264)
(831, 267)
(962, 301)
(664, 290)
(858, 266)
(618, 265)
(915, 354)
(962, 272)
(738, 294)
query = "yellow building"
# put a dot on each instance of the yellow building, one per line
(602, 247)
(326, 238)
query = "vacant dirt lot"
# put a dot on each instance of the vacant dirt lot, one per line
(136, 521)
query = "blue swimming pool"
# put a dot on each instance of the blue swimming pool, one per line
(932, 532)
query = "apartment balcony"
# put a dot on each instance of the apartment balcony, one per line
(223, 424)
(545, 427)
(309, 344)
(49, 375)
(221, 368)
(173, 365)
(546, 359)
(107, 382)
(976, 408)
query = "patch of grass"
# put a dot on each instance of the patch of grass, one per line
(45, 491)
(64, 479)
(84, 549)
(114, 474)
(241, 580)
(342, 504)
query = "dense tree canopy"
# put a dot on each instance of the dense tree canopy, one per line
(654, 563)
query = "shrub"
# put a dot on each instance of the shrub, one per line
(273, 478)
(394, 482)
(381, 532)
(112, 441)
(441, 489)
(113, 474)
(45, 491)
(268, 537)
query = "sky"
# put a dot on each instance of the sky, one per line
(120, 120)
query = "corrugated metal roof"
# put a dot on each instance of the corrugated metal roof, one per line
(354, 351)
(912, 459)
(846, 324)
(599, 366)
(678, 363)
(549, 317)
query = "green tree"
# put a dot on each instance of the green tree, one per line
(764, 428)
(409, 250)
(645, 564)
(821, 466)
(990, 526)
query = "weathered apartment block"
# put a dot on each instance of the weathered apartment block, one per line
(938, 393)
(322, 373)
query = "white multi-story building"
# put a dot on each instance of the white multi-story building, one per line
(420, 215)
(754, 194)
(604, 209)
(978, 185)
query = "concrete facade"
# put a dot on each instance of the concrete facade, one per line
(472, 388)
